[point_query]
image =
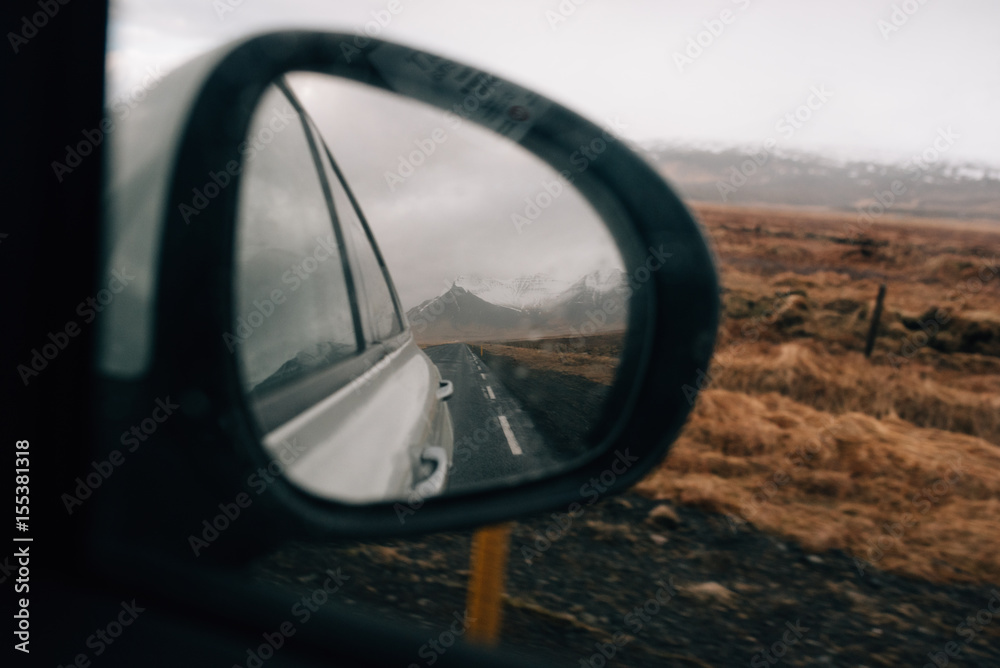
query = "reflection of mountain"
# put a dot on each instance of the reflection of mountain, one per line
(305, 361)
(530, 306)
(521, 293)
(601, 294)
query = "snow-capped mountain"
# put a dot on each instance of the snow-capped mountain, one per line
(599, 282)
(530, 306)
(526, 292)
(588, 299)
(458, 313)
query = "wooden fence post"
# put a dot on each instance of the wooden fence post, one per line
(876, 315)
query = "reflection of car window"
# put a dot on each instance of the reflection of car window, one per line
(378, 310)
(293, 310)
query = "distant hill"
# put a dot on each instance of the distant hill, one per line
(476, 308)
(934, 190)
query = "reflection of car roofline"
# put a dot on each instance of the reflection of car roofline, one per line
(274, 406)
(330, 426)
(281, 376)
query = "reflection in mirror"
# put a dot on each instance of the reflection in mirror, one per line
(421, 306)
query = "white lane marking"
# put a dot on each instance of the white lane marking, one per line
(511, 441)
(483, 376)
(489, 391)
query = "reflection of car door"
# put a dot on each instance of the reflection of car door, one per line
(321, 342)
(430, 441)
(296, 319)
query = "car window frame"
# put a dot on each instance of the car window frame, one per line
(344, 292)
(401, 321)
(275, 406)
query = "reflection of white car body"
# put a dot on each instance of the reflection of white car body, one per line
(345, 399)
(385, 435)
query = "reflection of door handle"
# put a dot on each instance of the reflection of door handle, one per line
(445, 390)
(434, 483)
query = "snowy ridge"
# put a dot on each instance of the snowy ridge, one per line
(524, 293)
(525, 307)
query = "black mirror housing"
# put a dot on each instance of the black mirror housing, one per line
(213, 444)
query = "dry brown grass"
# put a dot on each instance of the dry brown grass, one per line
(840, 382)
(800, 435)
(894, 459)
(771, 258)
(834, 481)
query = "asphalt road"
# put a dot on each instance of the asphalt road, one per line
(495, 439)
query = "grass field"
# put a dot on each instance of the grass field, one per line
(894, 459)
(858, 497)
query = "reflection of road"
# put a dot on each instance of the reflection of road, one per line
(494, 437)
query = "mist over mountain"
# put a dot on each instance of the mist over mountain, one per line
(927, 184)
(522, 293)
(478, 308)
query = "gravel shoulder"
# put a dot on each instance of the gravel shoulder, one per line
(674, 586)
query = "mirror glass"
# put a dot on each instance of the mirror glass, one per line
(420, 306)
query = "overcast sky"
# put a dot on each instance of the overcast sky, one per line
(881, 85)
(453, 216)
(890, 90)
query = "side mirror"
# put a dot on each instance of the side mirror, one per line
(356, 392)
